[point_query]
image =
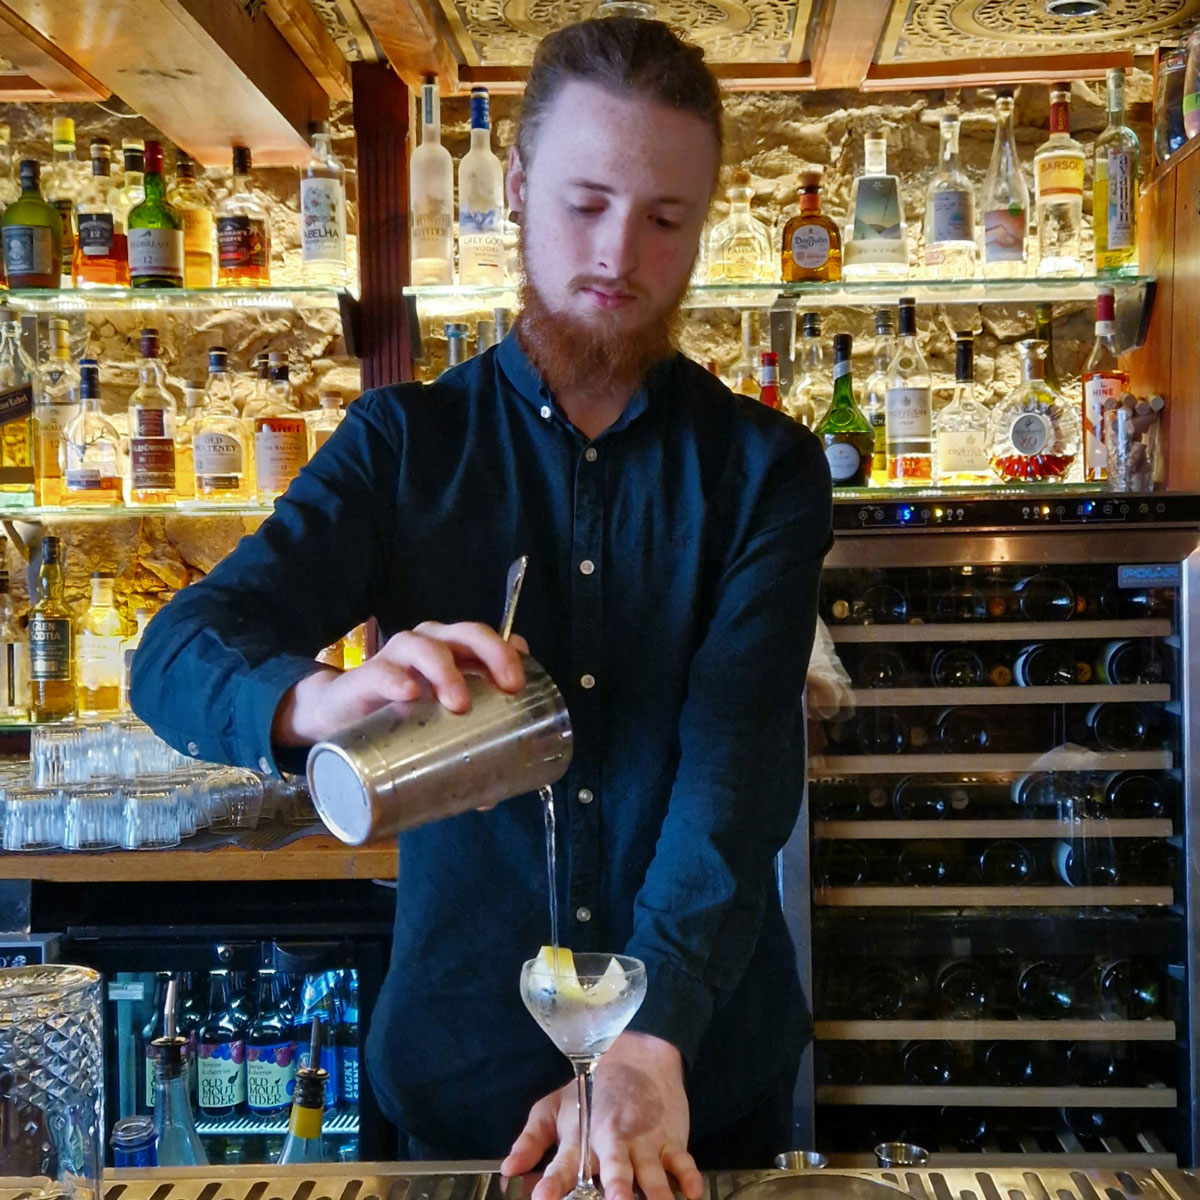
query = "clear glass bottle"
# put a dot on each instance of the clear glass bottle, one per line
(14, 659)
(32, 235)
(847, 435)
(949, 211)
(131, 191)
(812, 243)
(280, 436)
(1044, 327)
(303, 1144)
(1191, 85)
(1033, 436)
(739, 247)
(877, 247)
(55, 402)
(744, 377)
(61, 184)
(431, 197)
(480, 203)
(9, 188)
(185, 423)
(323, 249)
(194, 205)
(909, 421)
(1115, 186)
(961, 428)
(812, 383)
(220, 439)
(874, 404)
(98, 652)
(51, 641)
(1169, 133)
(243, 230)
(91, 447)
(100, 259)
(325, 423)
(151, 431)
(155, 231)
(260, 387)
(1103, 382)
(1005, 201)
(128, 649)
(18, 376)
(1058, 170)
(177, 1142)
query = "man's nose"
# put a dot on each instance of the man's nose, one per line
(618, 248)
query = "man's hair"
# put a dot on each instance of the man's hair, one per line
(628, 57)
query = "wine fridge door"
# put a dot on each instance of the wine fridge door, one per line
(1003, 926)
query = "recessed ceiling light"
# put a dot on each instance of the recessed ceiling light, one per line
(645, 9)
(1076, 8)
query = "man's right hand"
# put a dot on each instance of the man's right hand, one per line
(430, 658)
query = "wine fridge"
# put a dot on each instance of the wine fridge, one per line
(1002, 931)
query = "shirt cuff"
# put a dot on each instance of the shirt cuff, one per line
(258, 698)
(677, 1008)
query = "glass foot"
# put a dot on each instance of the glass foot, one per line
(584, 1191)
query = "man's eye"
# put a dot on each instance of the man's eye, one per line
(665, 223)
(585, 210)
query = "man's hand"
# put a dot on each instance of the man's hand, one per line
(639, 1127)
(430, 658)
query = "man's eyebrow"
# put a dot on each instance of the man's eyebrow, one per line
(604, 189)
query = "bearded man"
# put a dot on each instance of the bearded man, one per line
(675, 535)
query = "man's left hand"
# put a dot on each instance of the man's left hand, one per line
(639, 1127)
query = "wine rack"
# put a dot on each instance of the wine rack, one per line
(1011, 791)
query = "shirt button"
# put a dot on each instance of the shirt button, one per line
(587, 681)
(587, 567)
(545, 412)
(193, 749)
(583, 914)
(264, 765)
(590, 454)
(585, 796)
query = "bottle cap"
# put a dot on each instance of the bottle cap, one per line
(218, 358)
(62, 133)
(885, 322)
(770, 358)
(843, 345)
(810, 178)
(811, 323)
(318, 127)
(154, 158)
(480, 114)
(330, 399)
(1105, 305)
(185, 165)
(89, 378)
(100, 146)
(30, 174)
(241, 160)
(103, 575)
(59, 335)
(134, 157)
(149, 343)
(51, 546)
(740, 178)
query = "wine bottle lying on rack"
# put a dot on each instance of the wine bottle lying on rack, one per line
(964, 991)
(1046, 991)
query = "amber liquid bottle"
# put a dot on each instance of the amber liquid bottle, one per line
(812, 245)
(51, 683)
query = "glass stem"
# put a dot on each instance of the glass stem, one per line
(583, 1082)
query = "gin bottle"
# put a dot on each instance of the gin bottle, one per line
(480, 203)
(847, 435)
(1058, 169)
(909, 424)
(431, 197)
(1115, 187)
(1033, 434)
(739, 247)
(323, 256)
(1005, 200)
(961, 427)
(878, 244)
(950, 212)
(874, 404)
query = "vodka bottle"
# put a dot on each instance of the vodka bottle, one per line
(962, 426)
(480, 203)
(431, 197)
(950, 212)
(909, 424)
(1103, 381)
(1058, 169)
(1005, 201)
(1115, 187)
(878, 243)
(323, 214)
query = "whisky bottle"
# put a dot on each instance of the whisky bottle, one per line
(194, 206)
(155, 231)
(91, 447)
(961, 428)
(431, 197)
(32, 235)
(325, 423)
(101, 258)
(55, 403)
(61, 186)
(14, 659)
(909, 423)
(848, 437)
(1005, 200)
(128, 649)
(739, 247)
(151, 431)
(220, 439)
(812, 244)
(243, 231)
(950, 212)
(480, 203)
(51, 659)
(185, 421)
(1115, 186)
(280, 436)
(9, 189)
(98, 652)
(17, 376)
(1033, 435)
(878, 245)
(1103, 382)
(875, 401)
(1058, 170)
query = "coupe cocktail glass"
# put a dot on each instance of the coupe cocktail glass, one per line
(582, 1008)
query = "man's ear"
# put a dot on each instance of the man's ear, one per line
(514, 185)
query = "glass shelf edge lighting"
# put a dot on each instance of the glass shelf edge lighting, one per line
(68, 300)
(93, 512)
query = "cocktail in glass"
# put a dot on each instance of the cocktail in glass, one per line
(582, 1002)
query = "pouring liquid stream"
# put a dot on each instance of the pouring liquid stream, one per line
(547, 795)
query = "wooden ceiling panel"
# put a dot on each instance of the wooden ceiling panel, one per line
(36, 69)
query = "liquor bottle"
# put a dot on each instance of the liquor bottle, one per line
(961, 428)
(154, 229)
(270, 1052)
(1126, 991)
(194, 206)
(260, 388)
(319, 1003)
(878, 245)
(1034, 434)
(769, 374)
(1045, 991)
(151, 431)
(431, 197)
(323, 246)
(90, 447)
(744, 377)
(9, 188)
(1103, 381)
(909, 424)
(219, 439)
(925, 864)
(1087, 862)
(846, 434)
(812, 382)
(1115, 186)
(130, 193)
(101, 260)
(128, 650)
(222, 1053)
(98, 652)
(930, 1064)
(177, 1142)
(154, 1028)
(17, 377)
(480, 203)
(185, 463)
(303, 1144)
(875, 403)
(61, 187)
(812, 243)
(1005, 200)
(280, 436)
(14, 659)
(1169, 131)
(949, 211)
(1044, 332)
(1058, 170)
(739, 247)
(964, 991)
(56, 402)
(326, 422)
(1134, 794)
(32, 235)
(243, 231)
(51, 642)
(346, 1037)
(1005, 863)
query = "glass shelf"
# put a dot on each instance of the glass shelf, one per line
(69, 300)
(115, 512)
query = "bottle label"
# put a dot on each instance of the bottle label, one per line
(962, 452)
(432, 229)
(908, 415)
(322, 221)
(953, 220)
(16, 403)
(14, 676)
(810, 247)
(99, 660)
(877, 210)
(320, 437)
(480, 257)
(49, 648)
(217, 454)
(197, 230)
(1059, 176)
(349, 1057)
(280, 450)
(1122, 202)
(1096, 390)
(97, 234)
(844, 460)
(156, 252)
(270, 1072)
(222, 1074)
(50, 420)
(1004, 234)
(151, 464)
(242, 243)
(85, 479)
(328, 1063)
(1030, 434)
(29, 250)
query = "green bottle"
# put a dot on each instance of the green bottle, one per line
(155, 231)
(32, 235)
(847, 435)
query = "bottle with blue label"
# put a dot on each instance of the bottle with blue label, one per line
(270, 1052)
(319, 1002)
(347, 1037)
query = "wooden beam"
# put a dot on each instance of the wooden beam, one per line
(847, 37)
(203, 71)
(978, 72)
(20, 89)
(314, 47)
(411, 35)
(734, 77)
(58, 76)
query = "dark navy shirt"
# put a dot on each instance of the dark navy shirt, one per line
(671, 594)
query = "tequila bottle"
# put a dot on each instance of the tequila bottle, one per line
(61, 185)
(51, 637)
(1103, 382)
(874, 405)
(17, 377)
(243, 230)
(14, 658)
(32, 235)
(98, 652)
(431, 197)
(909, 424)
(56, 402)
(100, 256)
(220, 442)
(1005, 200)
(192, 202)
(151, 431)
(323, 251)
(812, 244)
(91, 447)
(480, 203)
(739, 247)
(155, 231)
(878, 244)
(1058, 170)
(1115, 187)
(961, 428)
(848, 437)
(1033, 435)
(812, 384)
(950, 212)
